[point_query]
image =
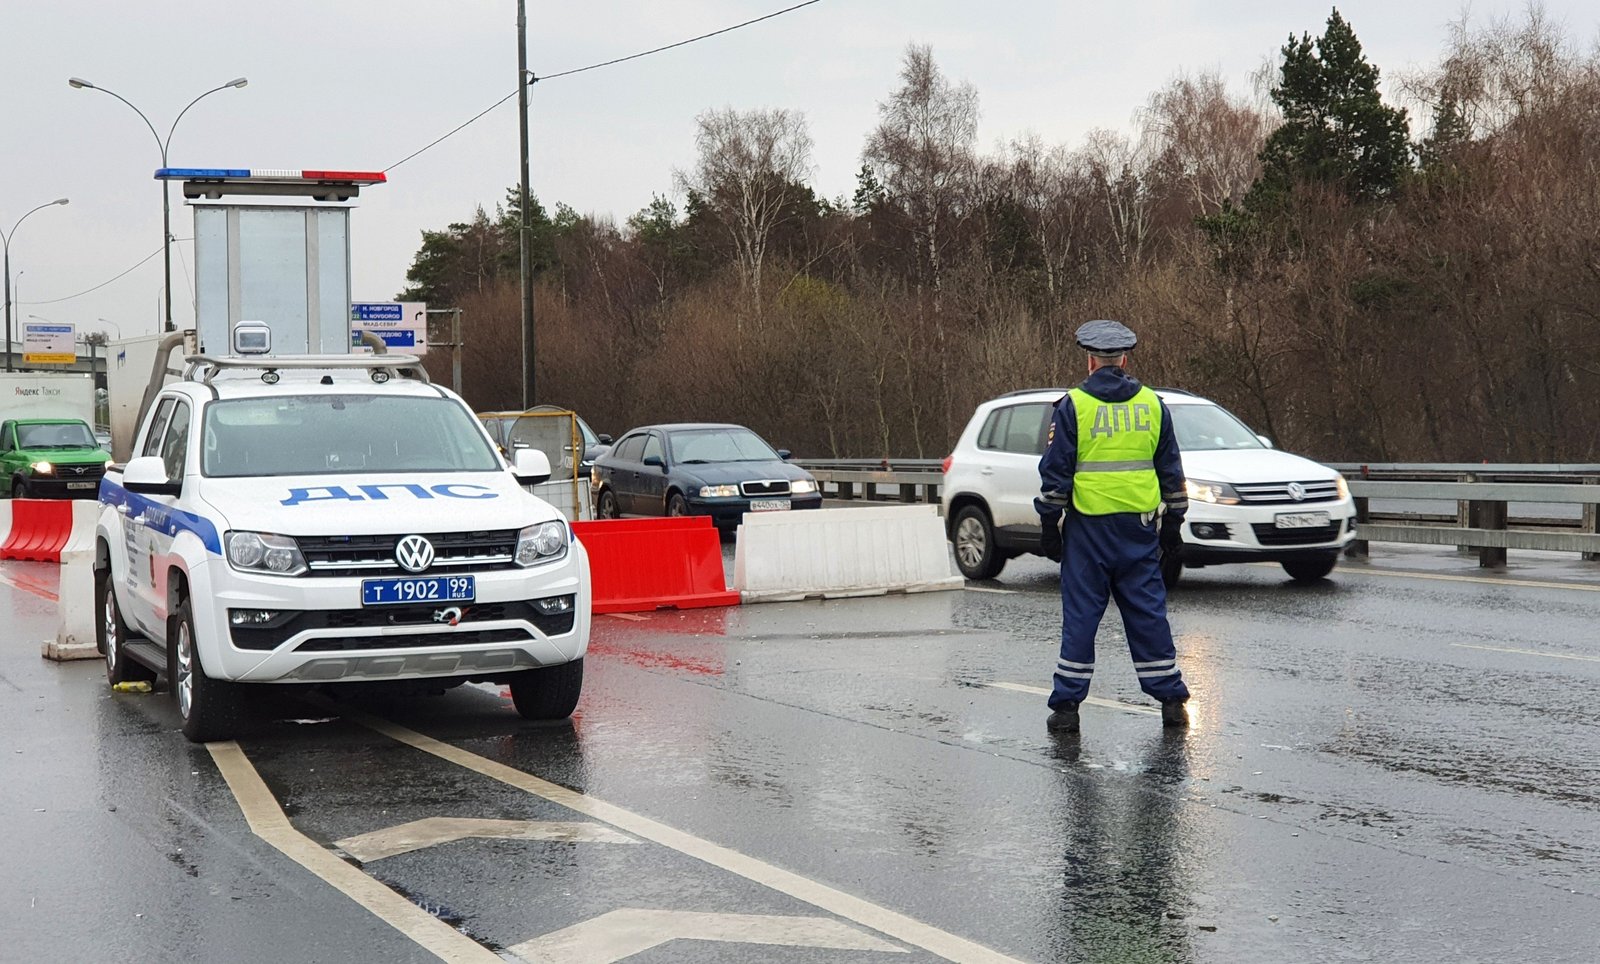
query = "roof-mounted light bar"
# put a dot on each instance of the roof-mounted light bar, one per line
(363, 178)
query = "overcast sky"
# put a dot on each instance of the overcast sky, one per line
(359, 84)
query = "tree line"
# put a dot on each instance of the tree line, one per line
(1353, 283)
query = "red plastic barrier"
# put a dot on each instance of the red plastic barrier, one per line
(639, 565)
(39, 529)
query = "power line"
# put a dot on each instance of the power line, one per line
(532, 79)
(56, 301)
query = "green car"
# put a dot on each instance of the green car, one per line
(51, 458)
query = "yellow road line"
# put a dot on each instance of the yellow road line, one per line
(1091, 700)
(268, 821)
(1528, 652)
(863, 912)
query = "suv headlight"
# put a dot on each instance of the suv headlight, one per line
(718, 491)
(43, 468)
(541, 543)
(264, 552)
(1215, 493)
(803, 486)
(1343, 486)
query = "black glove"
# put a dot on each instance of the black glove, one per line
(1050, 538)
(1171, 533)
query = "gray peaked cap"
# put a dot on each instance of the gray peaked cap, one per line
(1106, 339)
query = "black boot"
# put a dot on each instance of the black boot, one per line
(1174, 714)
(1064, 719)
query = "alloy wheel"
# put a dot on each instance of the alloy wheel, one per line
(184, 685)
(970, 542)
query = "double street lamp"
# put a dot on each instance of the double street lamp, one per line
(166, 199)
(5, 242)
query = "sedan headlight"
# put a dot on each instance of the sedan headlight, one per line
(1215, 493)
(264, 552)
(1343, 486)
(542, 543)
(803, 486)
(43, 468)
(718, 491)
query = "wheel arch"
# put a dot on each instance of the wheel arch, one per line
(960, 501)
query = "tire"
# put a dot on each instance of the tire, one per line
(548, 693)
(677, 505)
(1311, 568)
(209, 708)
(607, 507)
(1171, 568)
(111, 633)
(972, 538)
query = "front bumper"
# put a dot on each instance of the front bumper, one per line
(1215, 534)
(727, 513)
(330, 637)
(63, 487)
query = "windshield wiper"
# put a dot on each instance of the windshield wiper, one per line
(693, 461)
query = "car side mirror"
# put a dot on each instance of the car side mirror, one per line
(1264, 441)
(604, 439)
(530, 466)
(656, 461)
(147, 475)
(785, 454)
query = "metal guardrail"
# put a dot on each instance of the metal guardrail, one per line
(1482, 493)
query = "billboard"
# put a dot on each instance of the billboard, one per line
(48, 344)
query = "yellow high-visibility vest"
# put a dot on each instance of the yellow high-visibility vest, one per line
(1116, 469)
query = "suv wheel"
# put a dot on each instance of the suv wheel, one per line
(208, 707)
(111, 633)
(548, 693)
(977, 556)
(1311, 569)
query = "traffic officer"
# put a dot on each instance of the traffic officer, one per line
(1110, 464)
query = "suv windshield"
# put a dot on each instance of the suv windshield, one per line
(341, 434)
(720, 445)
(1201, 428)
(58, 435)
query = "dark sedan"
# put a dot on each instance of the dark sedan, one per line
(722, 471)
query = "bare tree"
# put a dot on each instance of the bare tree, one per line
(1116, 166)
(1052, 189)
(749, 168)
(1205, 140)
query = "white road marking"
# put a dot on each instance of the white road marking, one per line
(1091, 700)
(623, 933)
(432, 831)
(268, 821)
(863, 912)
(1529, 652)
(630, 617)
(1451, 577)
(1002, 592)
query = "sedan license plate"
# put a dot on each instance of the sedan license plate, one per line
(424, 589)
(1300, 520)
(768, 505)
(83, 485)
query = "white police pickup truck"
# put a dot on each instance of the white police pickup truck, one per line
(331, 519)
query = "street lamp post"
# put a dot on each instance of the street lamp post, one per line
(166, 197)
(107, 321)
(6, 239)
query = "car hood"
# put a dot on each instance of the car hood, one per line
(84, 456)
(1253, 465)
(375, 504)
(727, 473)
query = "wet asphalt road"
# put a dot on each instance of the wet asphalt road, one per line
(1382, 767)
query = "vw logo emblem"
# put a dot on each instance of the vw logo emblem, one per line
(1296, 491)
(414, 553)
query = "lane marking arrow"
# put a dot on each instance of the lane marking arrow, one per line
(623, 933)
(432, 831)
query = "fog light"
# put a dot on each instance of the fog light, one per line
(1209, 530)
(251, 617)
(553, 605)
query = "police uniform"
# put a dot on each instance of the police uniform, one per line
(1111, 463)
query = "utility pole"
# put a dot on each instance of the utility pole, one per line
(523, 82)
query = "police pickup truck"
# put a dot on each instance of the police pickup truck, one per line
(323, 520)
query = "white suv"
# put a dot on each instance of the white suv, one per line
(331, 519)
(1247, 501)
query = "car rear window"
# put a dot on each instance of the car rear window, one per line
(1017, 428)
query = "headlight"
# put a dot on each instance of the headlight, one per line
(1216, 493)
(43, 468)
(1344, 487)
(803, 487)
(538, 544)
(718, 491)
(263, 552)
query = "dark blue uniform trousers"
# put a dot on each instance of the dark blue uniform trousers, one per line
(1114, 555)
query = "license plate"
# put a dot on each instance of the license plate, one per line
(83, 485)
(424, 589)
(1300, 520)
(768, 505)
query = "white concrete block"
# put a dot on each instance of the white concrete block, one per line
(842, 552)
(75, 607)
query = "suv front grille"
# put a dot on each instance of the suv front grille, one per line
(484, 550)
(765, 487)
(1270, 535)
(1277, 493)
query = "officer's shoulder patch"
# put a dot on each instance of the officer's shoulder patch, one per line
(1051, 438)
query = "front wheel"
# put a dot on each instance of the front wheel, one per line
(607, 508)
(1311, 569)
(112, 633)
(677, 504)
(209, 708)
(19, 489)
(977, 556)
(548, 693)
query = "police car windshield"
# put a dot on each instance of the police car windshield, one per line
(341, 435)
(1201, 428)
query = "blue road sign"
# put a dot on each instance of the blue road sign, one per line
(376, 311)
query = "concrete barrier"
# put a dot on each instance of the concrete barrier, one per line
(75, 607)
(832, 553)
(41, 529)
(640, 565)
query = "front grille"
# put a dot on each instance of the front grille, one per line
(81, 473)
(1270, 535)
(1277, 493)
(485, 550)
(290, 624)
(346, 643)
(765, 487)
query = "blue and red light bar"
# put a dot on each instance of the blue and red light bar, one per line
(267, 174)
